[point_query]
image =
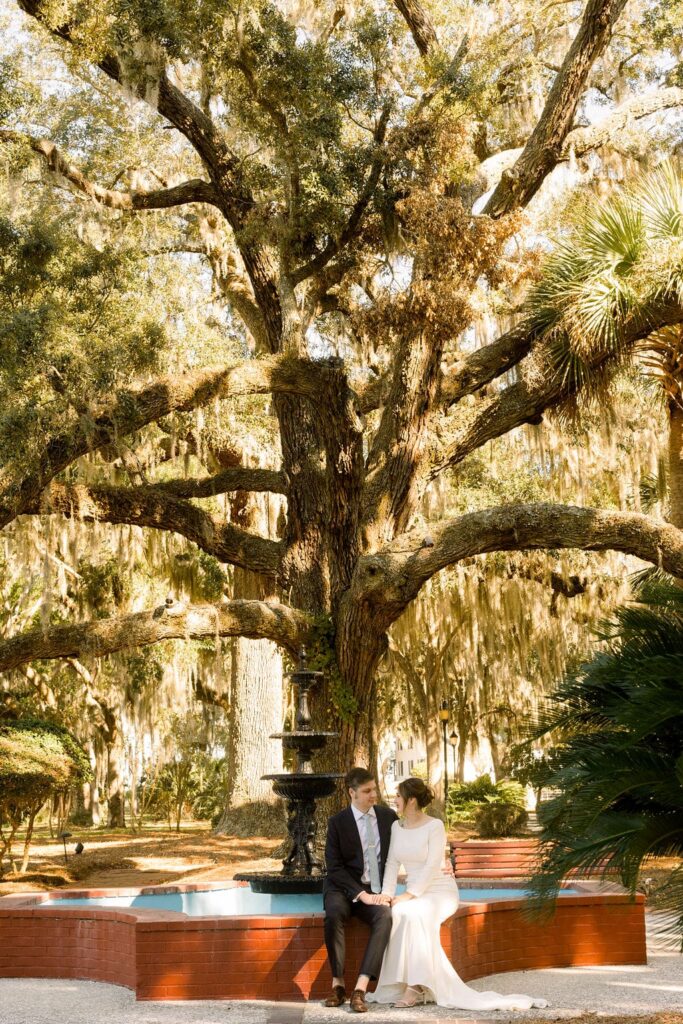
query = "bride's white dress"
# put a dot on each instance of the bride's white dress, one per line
(414, 955)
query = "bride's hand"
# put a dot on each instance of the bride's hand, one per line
(402, 898)
(376, 898)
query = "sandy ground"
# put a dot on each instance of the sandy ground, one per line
(117, 858)
(652, 994)
(113, 859)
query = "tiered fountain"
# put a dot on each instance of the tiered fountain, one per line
(301, 871)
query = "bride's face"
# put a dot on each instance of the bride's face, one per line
(399, 804)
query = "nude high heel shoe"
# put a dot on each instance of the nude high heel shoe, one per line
(411, 996)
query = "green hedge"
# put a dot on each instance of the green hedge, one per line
(37, 757)
(482, 803)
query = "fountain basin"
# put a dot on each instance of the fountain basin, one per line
(304, 785)
(280, 954)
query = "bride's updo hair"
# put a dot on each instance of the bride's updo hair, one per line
(418, 789)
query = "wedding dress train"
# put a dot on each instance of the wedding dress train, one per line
(414, 955)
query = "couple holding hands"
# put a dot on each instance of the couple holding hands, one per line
(366, 844)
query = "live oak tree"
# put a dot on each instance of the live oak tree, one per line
(336, 158)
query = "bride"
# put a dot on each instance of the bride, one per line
(415, 966)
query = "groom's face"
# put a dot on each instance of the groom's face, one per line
(365, 796)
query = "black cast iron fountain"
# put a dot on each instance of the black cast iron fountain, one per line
(301, 871)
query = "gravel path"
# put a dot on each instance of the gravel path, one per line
(623, 991)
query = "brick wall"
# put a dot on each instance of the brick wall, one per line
(68, 944)
(163, 955)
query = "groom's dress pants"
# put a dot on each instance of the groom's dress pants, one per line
(338, 909)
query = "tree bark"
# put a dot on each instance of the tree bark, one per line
(257, 619)
(544, 147)
(29, 836)
(255, 710)
(420, 25)
(676, 464)
(113, 741)
(433, 745)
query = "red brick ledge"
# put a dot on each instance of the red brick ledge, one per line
(167, 955)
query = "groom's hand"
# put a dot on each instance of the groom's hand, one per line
(376, 898)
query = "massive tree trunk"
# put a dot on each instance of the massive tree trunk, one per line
(256, 704)
(676, 464)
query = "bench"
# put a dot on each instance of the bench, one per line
(493, 858)
(500, 858)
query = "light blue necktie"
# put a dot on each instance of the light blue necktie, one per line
(373, 863)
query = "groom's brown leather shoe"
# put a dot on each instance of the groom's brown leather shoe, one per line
(336, 997)
(358, 1004)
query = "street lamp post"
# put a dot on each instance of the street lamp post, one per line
(453, 739)
(444, 715)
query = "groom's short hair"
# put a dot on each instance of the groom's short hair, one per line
(358, 777)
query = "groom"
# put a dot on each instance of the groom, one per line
(355, 853)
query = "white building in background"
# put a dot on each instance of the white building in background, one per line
(409, 753)
(402, 753)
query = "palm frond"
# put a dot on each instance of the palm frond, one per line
(618, 262)
(615, 770)
(659, 196)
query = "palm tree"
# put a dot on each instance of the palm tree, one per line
(617, 261)
(616, 764)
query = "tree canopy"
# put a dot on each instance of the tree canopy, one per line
(363, 184)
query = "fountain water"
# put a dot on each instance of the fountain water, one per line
(301, 871)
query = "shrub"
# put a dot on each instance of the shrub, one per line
(495, 820)
(37, 759)
(614, 774)
(466, 801)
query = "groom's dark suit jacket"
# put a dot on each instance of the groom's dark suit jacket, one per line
(344, 850)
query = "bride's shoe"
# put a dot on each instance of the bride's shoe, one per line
(411, 996)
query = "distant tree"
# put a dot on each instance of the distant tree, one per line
(37, 760)
(181, 784)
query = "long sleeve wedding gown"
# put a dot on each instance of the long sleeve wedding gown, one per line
(414, 955)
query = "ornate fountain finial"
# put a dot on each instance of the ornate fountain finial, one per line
(302, 659)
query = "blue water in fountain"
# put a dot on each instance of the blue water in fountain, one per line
(242, 901)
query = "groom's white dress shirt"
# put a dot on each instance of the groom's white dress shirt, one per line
(360, 824)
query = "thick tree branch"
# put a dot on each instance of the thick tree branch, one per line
(541, 389)
(147, 506)
(232, 195)
(253, 619)
(544, 146)
(194, 191)
(536, 526)
(485, 364)
(237, 479)
(231, 279)
(134, 408)
(582, 140)
(420, 25)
